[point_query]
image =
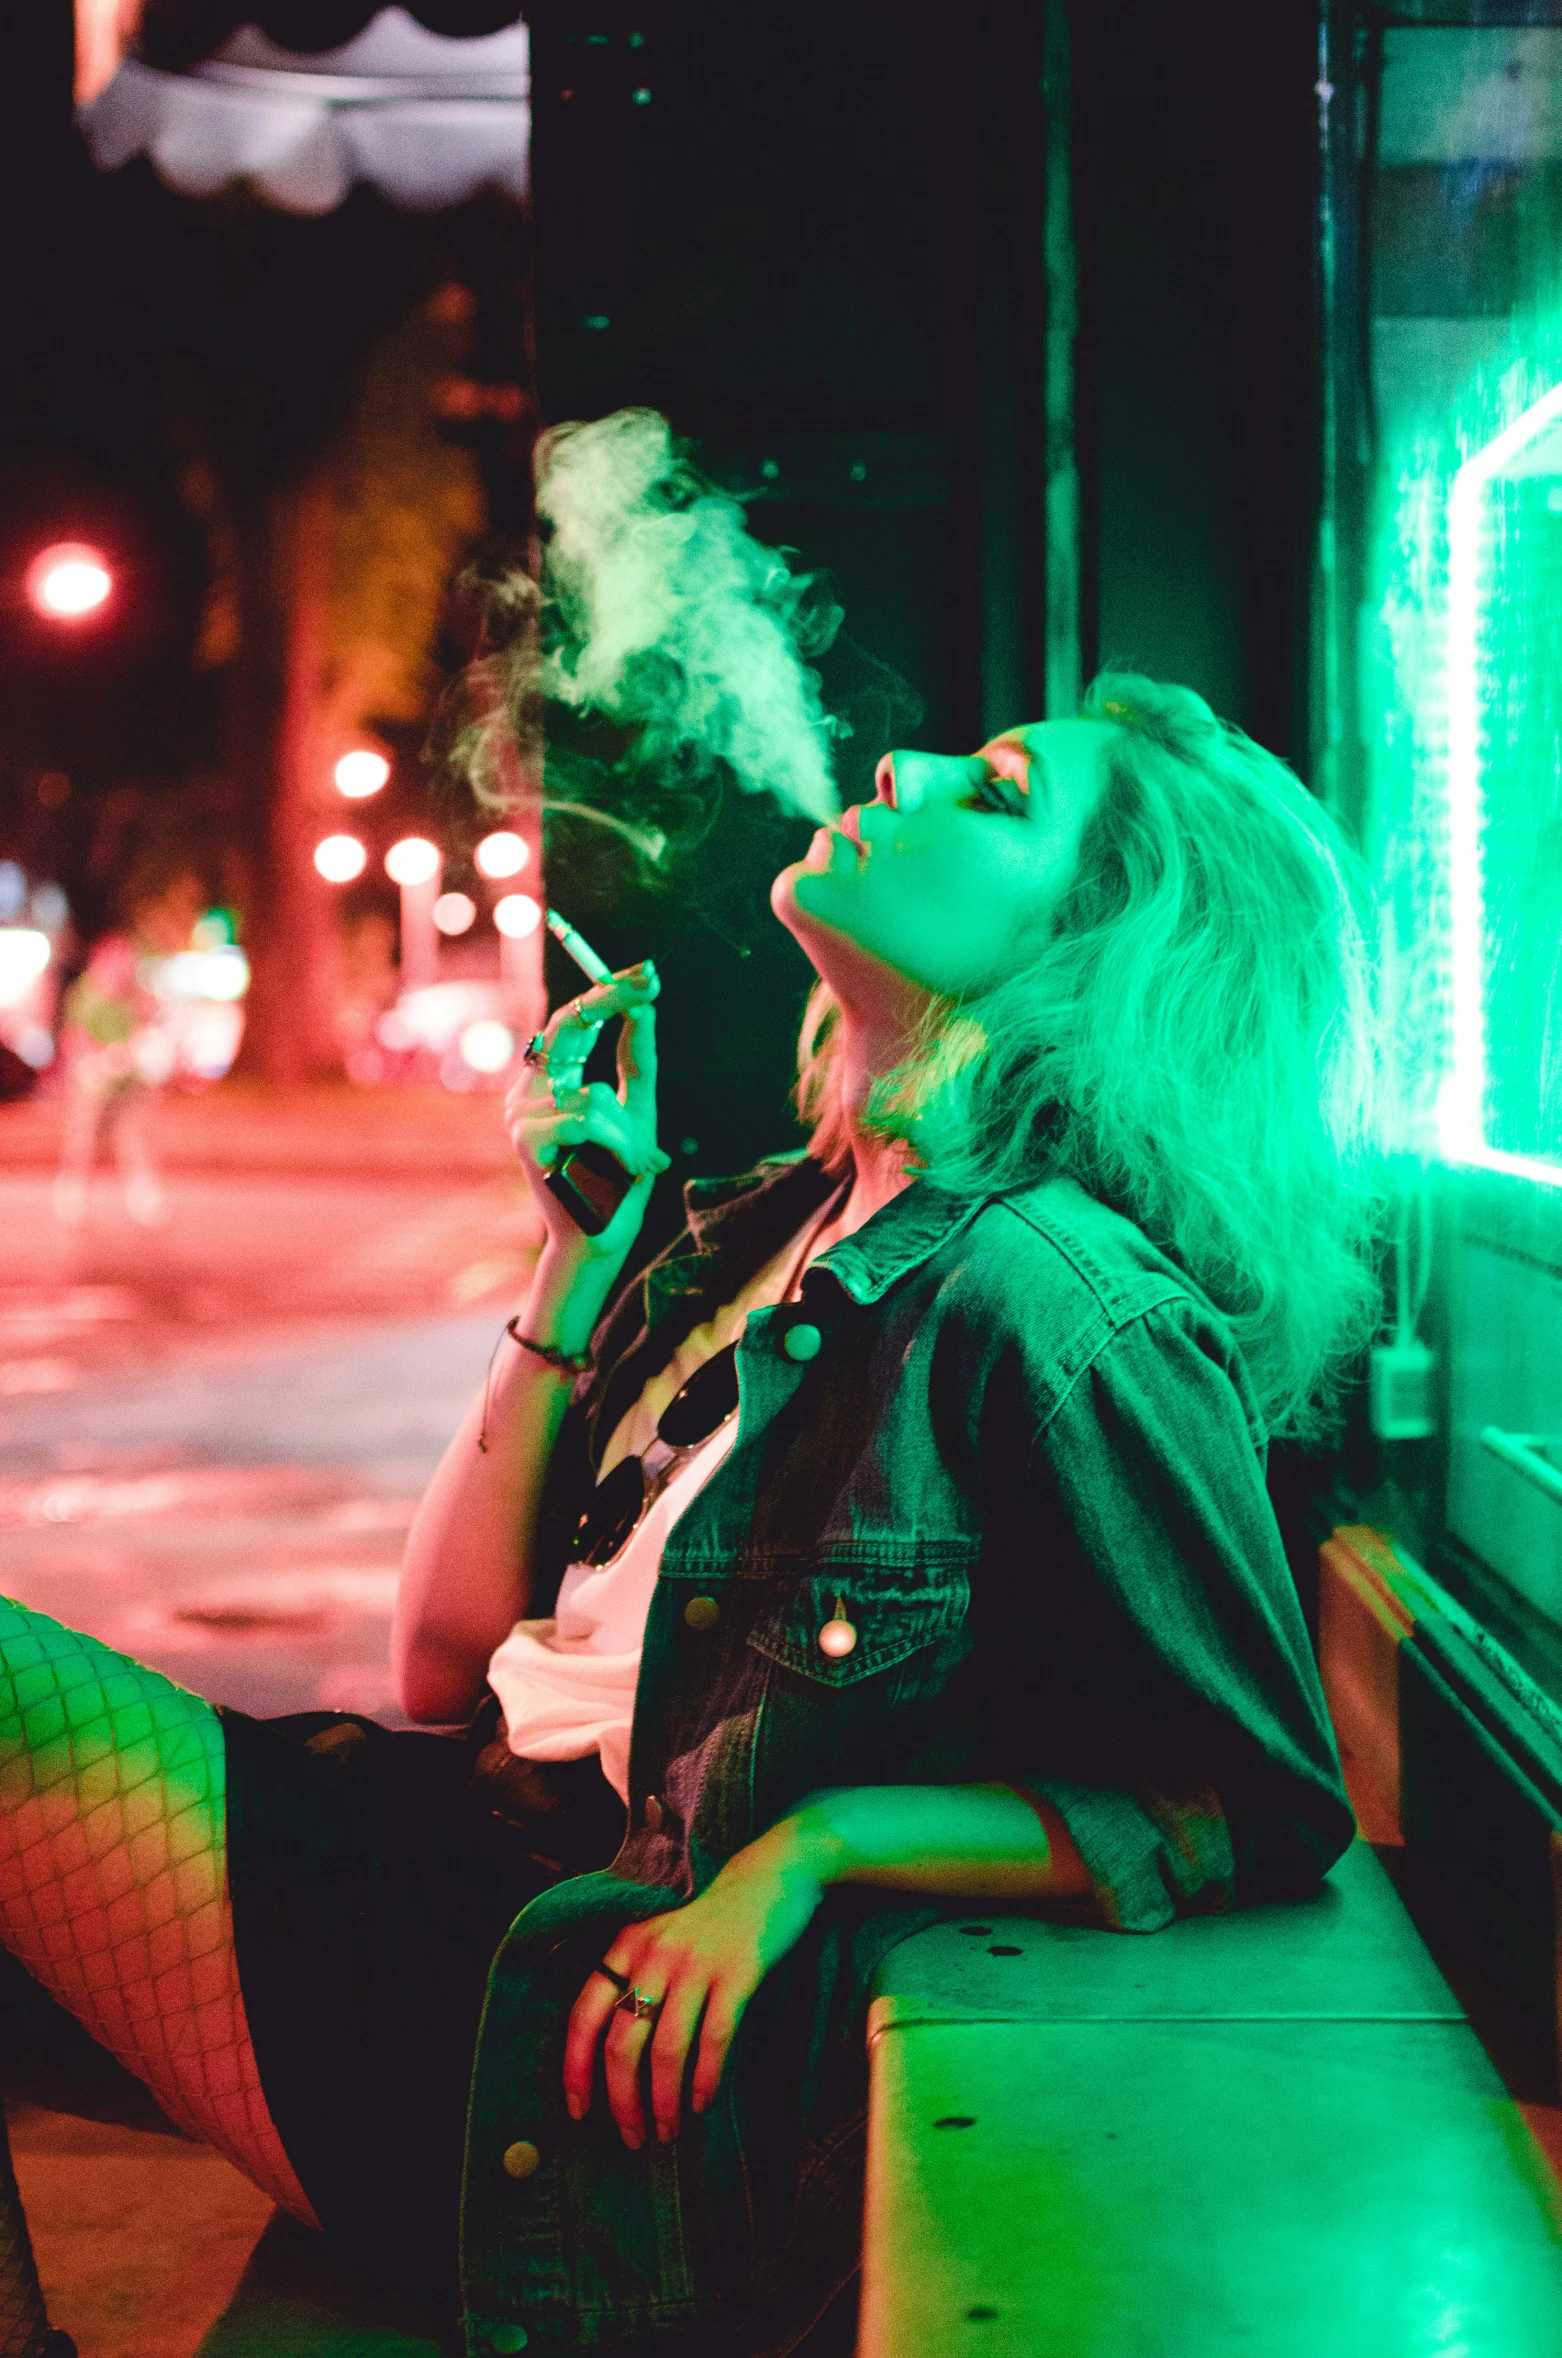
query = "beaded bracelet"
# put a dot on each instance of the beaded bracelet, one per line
(570, 1362)
(567, 1362)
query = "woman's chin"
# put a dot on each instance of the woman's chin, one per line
(802, 895)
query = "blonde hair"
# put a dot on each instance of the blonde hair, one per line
(1194, 1042)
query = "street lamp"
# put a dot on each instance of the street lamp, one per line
(339, 858)
(361, 772)
(516, 917)
(455, 912)
(503, 854)
(415, 864)
(68, 581)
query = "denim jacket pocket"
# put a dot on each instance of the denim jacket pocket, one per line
(891, 1606)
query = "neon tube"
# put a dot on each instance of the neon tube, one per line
(1461, 1105)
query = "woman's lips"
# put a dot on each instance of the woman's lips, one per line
(822, 854)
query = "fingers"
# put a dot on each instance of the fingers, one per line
(677, 2028)
(592, 2012)
(637, 1061)
(717, 2031)
(623, 2052)
(570, 1117)
(572, 1028)
(599, 2024)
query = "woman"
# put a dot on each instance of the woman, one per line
(979, 1597)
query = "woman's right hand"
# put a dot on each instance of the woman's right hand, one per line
(549, 1111)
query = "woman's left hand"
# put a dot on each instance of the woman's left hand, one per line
(699, 1966)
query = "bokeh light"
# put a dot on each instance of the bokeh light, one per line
(204, 974)
(24, 953)
(360, 772)
(68, 581)
(455, 912)
(487, 1045)
(517, 915)
(412, 861)
(503, 854)
(340, 858)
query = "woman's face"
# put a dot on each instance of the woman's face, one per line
(950, 875)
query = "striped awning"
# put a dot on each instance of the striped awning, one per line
(426, 119)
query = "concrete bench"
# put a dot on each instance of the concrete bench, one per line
(1272, 2134)
(1269, 2135)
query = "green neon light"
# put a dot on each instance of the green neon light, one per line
(1521, 448)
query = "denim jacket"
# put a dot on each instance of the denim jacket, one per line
(1021, 1450)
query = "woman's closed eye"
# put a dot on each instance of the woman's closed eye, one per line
(998, 792)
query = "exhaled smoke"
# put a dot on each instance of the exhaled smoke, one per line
(666, 617)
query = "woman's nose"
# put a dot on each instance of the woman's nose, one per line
(907, 780)
(884, 787)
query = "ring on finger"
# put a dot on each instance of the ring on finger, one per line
(639, 2004)
(535, 1053)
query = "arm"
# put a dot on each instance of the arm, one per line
(466, 1573)
(1187, 1741)
(704, 1961)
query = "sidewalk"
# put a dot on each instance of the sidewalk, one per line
(212, 1439)
(330, 1126)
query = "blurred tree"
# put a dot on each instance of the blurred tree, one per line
(329, 586)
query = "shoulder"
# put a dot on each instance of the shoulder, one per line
(1069, 1284)
(1077, 1251)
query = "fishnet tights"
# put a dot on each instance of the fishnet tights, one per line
(113, 1879)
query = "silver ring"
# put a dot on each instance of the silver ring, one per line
(535, 1052)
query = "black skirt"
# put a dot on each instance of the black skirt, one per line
(373, 1876)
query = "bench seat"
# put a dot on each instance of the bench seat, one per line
(1272, 2134)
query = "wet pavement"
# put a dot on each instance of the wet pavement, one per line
(212, 1438)
(213, 1434)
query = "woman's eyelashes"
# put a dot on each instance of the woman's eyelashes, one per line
(998, 792)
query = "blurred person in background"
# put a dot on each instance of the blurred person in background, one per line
(117, 1055)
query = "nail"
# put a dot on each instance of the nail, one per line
(664, 2135)
(575, 2107)
(633, 2142)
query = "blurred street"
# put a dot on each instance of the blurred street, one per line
(213, 1433)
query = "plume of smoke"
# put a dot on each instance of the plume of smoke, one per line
(666, 617)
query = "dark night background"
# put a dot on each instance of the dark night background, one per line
(819, 246)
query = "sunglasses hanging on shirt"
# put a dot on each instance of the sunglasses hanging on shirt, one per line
(622, 1498)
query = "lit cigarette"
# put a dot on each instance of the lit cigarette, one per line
(577, 947)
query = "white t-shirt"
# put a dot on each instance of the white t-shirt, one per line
(567, 1684)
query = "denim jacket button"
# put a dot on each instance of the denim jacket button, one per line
(702, 1613)
(838, 1638)
(505, 2338)
(802, 1342)
(520, 2159)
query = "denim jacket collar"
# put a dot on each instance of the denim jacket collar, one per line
(734, 1225)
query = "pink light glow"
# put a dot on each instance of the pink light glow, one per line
(412, 861)
(455, 912)
(360, 772)
(503, 854)
(340, 858)
(517, 915)
(68, 581)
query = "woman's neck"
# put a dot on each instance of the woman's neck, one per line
(869, 1050)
